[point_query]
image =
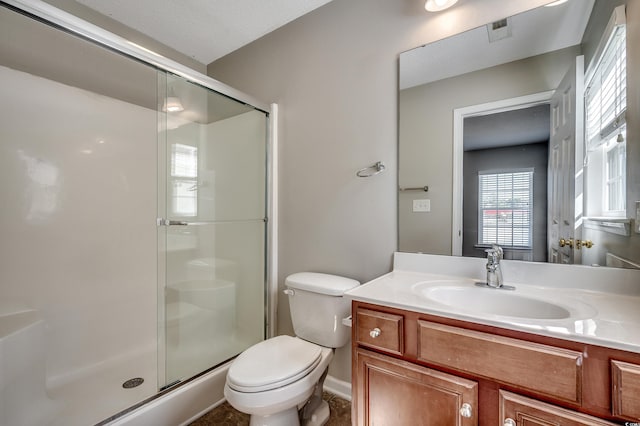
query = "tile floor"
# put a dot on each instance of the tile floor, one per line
(226, 415)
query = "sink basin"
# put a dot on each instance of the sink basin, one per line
(491, 301)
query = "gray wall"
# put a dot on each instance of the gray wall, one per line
(426, 136)
(334, 73)
(513, 157)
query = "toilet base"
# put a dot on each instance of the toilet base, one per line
(283, 418)
(290, 417)
(320, 415)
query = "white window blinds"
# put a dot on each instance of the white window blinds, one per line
(606, 104)
(505, 208)
(184, 180)
(615, 178)
(606, 94)
(184, 160)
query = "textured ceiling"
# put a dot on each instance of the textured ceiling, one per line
(204, 29)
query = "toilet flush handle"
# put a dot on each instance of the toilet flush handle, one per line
(289, 292)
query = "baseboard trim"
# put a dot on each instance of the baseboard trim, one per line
(338, 387)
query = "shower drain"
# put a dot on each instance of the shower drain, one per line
(132, 383)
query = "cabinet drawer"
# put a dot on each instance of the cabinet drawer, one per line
(625, 380)
(527, 411)
(380, 330)
(542, 369)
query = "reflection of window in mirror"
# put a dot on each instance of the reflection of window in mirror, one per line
(505, 208)
(615, 177)
(605, 101)
(184, 184)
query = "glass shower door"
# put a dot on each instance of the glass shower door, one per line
(212, 228)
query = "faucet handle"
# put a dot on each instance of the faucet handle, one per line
(494, 253)
(498, 251)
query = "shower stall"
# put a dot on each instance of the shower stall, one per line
(134, 223)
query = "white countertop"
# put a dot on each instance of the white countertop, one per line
(604, 314)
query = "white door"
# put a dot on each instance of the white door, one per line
(565, 166)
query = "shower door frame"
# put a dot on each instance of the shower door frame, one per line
(74, 25)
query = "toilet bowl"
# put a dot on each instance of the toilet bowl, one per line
(269, 383)
(279, 381)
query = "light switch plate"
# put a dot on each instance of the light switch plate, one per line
(421, 206)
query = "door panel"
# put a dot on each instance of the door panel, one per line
(565, 166)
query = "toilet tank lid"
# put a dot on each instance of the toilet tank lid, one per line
(315, 282)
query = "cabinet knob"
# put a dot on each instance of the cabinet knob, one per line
(465, 410)
(375, 332)
(509, 422)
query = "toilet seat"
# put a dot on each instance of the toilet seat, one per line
(273, 363)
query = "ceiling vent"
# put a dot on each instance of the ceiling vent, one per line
(499, 30)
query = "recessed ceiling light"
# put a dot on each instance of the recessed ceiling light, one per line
(438, 5)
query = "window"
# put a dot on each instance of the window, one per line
(606, 105)
(615, 162)
(184, 180)
(505, 208)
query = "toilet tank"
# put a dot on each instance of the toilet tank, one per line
(317, 307)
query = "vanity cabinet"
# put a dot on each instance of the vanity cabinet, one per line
(412, 368)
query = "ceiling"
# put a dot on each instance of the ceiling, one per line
(540, 30)
(204, 29)
(515, 127)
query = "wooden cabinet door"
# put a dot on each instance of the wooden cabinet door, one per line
(625, 378)
(392, 392)
(529, 412)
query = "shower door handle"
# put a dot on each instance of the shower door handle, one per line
(167, 222)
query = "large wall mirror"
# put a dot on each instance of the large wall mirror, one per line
(519, 133)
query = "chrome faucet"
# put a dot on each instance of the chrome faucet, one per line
(494, 273)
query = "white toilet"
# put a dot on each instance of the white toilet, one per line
(279, 381)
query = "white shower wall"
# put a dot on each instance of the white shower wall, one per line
(79, 217)
(78, 177)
